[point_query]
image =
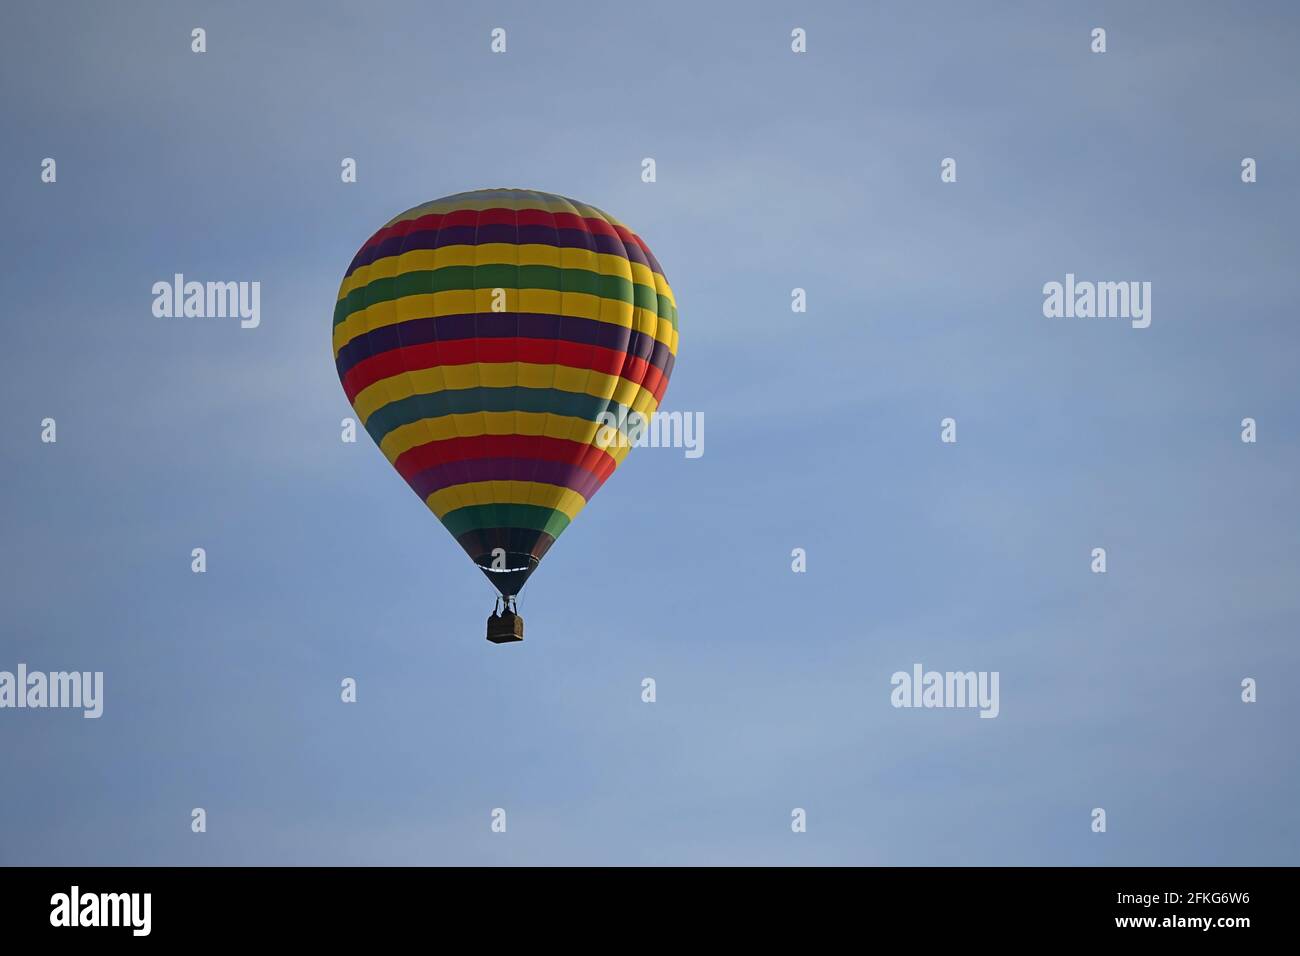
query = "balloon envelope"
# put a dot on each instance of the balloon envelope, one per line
(486, 341)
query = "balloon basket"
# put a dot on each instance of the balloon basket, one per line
(505, 628)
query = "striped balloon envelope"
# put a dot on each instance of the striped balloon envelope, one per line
(485, 341)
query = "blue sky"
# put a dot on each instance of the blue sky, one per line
(775, 170)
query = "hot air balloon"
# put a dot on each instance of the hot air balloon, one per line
(486, 340)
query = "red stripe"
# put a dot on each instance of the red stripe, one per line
(398, 229)
(627, 235)
(431, 454)
(524, 217)
(412, 358)
(655, 382)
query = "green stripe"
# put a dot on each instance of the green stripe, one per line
(532, 517)
(462, 401)
(467, 278)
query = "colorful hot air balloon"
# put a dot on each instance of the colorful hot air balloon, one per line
(483, 339)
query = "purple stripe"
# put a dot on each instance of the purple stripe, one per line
(503, 232)
(565, 475)
(651, 261)
(668, 365)
(495, 325)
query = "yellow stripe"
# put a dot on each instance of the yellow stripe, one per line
(509, 493)
(542, 301)
(614, 388)
(474, 424)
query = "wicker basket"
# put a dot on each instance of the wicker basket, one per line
(506, 628)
